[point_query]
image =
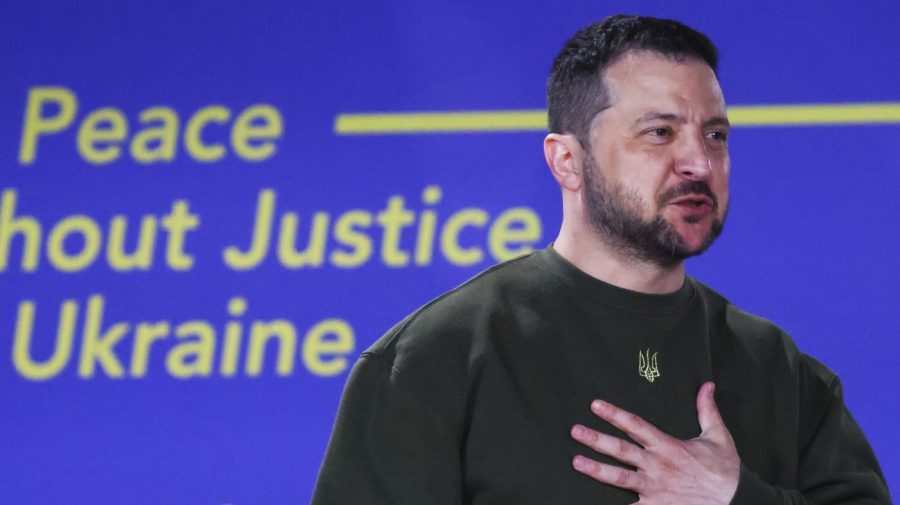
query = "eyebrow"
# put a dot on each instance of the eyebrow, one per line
(655, 116)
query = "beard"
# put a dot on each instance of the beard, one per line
(616, 214)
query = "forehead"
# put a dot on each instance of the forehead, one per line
(641, 82)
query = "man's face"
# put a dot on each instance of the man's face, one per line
(656, 175)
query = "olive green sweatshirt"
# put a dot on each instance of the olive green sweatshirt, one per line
(470, 399)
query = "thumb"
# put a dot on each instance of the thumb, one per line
(707, 412)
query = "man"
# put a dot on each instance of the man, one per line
(492, 393)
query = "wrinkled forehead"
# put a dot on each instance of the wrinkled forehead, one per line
(639, 81)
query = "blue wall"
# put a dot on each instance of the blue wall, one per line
(239, 100)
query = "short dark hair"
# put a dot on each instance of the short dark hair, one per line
(576, 92)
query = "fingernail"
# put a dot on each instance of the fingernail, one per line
(579, 463)
(577, 430)
(598, 405)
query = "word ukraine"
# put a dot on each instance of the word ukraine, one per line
(195, 348)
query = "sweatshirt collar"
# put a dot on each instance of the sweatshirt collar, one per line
(606, 293)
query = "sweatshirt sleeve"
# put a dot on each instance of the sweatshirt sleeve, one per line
(837, 465)
(388, 445)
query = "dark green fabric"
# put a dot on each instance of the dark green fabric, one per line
(470, 399)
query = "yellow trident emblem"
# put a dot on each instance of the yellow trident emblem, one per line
(647, 367)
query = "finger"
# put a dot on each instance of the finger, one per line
(707, 412)
(615, 447)
(636, 427)
(610, 474)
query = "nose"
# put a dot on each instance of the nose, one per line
(692, 160)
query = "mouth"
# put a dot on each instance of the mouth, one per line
(694, 201)
(695, 208)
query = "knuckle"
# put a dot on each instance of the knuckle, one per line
(596, 471)
(639, 423)
(622, 478)
(632, 419)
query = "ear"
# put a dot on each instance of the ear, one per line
(564, 157)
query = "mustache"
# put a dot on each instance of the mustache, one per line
(688, 188)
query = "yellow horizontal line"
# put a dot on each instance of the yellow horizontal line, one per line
(536, 119)
(424, 122)
(822, 114)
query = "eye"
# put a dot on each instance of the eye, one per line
(658, 133)
(718, 135)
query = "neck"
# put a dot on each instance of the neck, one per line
(597, 258)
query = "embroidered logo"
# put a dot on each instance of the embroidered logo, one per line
(647, 366)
